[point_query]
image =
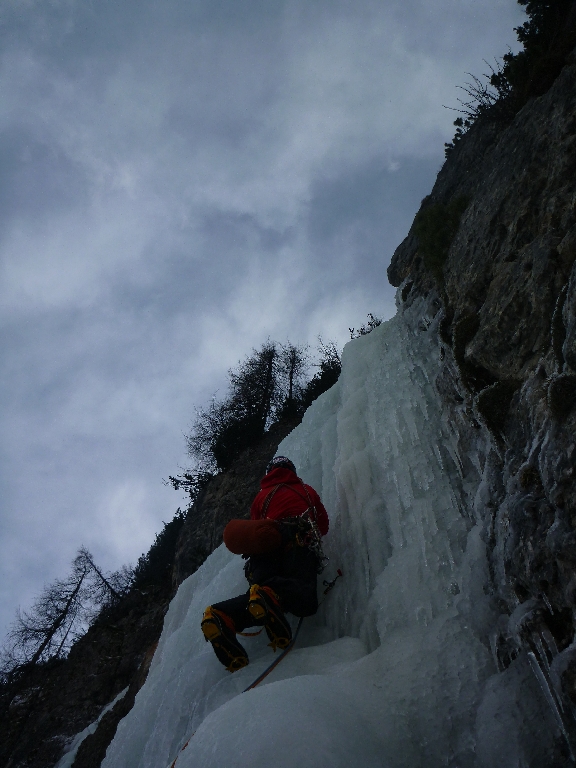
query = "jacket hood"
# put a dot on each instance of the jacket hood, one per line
(279, 475)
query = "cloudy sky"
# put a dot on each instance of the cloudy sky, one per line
(179, 180)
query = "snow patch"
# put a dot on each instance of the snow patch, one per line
(68, 757)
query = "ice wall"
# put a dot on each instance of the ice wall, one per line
(395, 670)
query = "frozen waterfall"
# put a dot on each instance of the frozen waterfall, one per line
(395, 670)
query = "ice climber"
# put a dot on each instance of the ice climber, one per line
(283, 543)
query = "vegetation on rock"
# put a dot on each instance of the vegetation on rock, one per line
(61, 614)
(493, 404)
(548, 37)
(155, 567)
(435, 226)
(267, 387)
(366, 328)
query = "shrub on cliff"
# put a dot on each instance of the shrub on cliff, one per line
(366, 328)
(547, 37)
(61, 614)
(264, 384)
(155, 567)
(435, 226)
(268, 386)
(330, 366)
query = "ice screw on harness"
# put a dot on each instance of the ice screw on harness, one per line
(330, 584)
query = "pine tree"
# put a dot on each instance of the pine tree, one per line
(61, 614)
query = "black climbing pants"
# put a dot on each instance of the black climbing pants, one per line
(291, 574)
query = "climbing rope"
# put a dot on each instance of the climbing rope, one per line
(276, 661)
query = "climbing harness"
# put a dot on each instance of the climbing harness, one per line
(307, 534)
(313, 541)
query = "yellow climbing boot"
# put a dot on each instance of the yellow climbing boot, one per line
(264, 607)
(219, 629)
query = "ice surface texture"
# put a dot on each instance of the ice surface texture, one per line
(395, 670)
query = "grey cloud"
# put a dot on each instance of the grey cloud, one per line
(36, 176)
(227, 229)
(179, 180)
(369, 198)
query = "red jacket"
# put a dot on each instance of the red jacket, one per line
(291, 498)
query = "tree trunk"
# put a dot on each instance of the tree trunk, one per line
(58, 623)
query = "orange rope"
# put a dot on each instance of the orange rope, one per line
(182, 750)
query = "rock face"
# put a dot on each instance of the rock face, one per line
(511, 259)
(507, 294)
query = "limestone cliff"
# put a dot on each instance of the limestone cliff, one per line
(506, 291)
